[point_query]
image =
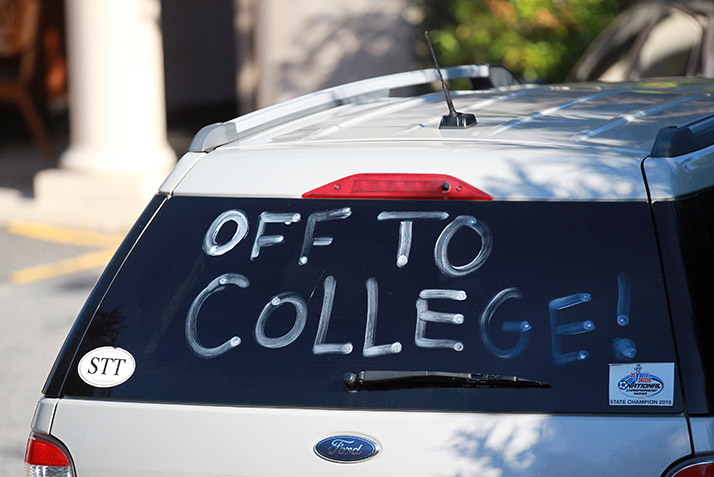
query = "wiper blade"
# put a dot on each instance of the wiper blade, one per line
(433, 379)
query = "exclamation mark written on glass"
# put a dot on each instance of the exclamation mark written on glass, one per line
(624, 348)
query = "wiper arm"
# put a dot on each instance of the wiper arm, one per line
(433, 379)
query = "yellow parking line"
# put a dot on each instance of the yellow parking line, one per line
(50, 233)
(81, 238)
(87, 261)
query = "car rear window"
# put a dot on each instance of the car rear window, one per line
(686, 233)
(270, 302)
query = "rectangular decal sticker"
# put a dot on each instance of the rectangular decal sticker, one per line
(642, 384)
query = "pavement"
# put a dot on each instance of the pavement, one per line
(21, 162)
(49, 262)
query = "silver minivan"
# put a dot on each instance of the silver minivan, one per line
(348, 284)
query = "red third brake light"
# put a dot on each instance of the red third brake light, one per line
(398, 186)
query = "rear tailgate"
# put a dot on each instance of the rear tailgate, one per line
(221, 346)
(113, 439)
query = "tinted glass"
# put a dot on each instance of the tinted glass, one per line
(314, 289)
(669, 46)
(686, 229)
(615, 46)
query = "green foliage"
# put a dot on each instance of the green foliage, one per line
(539, 40)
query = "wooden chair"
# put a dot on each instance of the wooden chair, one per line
(19, 21)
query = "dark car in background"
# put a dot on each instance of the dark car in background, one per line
(653, 39)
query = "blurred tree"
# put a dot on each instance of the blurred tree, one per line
(539, 40)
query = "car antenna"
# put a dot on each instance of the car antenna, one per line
(453, 120)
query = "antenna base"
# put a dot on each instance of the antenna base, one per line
(460, 121)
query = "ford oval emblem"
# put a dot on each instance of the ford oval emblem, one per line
(346, 449)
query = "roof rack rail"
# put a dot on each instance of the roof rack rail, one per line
(675, 141)
(218, 134)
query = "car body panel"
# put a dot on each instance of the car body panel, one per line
(676, 177)
(536, 172)
(702, 434)
(621, 116)
(236, 441)
(574, 142)
(44, 414)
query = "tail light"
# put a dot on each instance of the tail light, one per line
(701, 467)
(398, 186)
(47, 457)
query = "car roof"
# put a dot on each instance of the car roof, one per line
(578, 141)
(622, 117)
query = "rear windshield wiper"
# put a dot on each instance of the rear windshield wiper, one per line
(433, 379)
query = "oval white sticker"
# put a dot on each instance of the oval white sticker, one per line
(106, 367)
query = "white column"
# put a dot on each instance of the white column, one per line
(116, 81)
(118, 154)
